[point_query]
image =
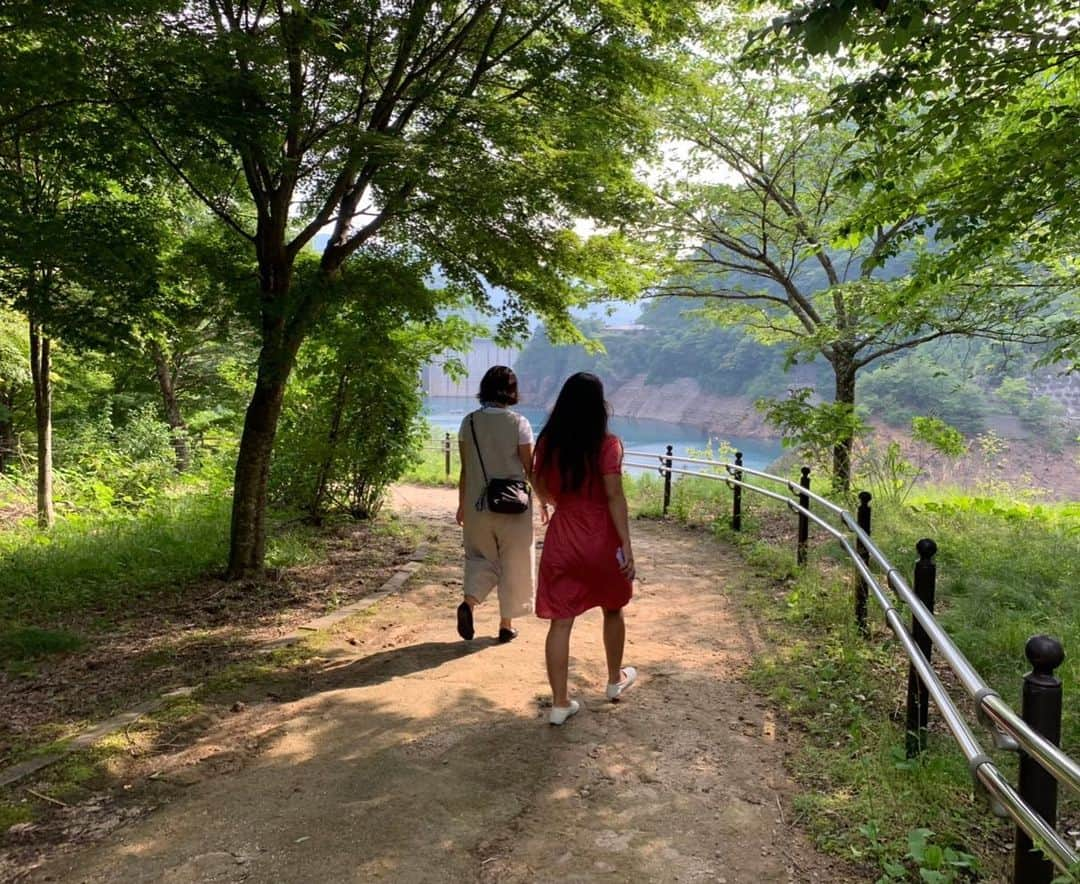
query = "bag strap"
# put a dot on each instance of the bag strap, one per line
(476, 442)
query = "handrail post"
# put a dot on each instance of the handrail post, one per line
(862, 591)
(667, 480)
(446, 450)
(1041, 709)
(804, 520)
(918, 698)
(736, 496)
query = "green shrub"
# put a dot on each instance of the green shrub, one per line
(352, 425)
(914, 386)
(100, 465)
(891, 476)
(353, 420)
(812, 429)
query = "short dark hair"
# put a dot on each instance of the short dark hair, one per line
(499, 385)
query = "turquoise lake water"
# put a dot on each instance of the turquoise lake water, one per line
(651, 436)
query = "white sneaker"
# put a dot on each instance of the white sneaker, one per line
(559, 714)
(614, 691)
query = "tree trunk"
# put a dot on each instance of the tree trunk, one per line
(172, 408)
(280, 341)
(247, 547)
(8, 442)
(40, 370)
(844, 370)
(323, 476)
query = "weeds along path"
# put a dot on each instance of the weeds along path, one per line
(414, 756)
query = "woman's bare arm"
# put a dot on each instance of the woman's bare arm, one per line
(620, 515)
(536, 477)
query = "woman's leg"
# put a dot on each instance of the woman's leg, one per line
(614, 641)
(557, 654)
(517, 555)
(481, 559)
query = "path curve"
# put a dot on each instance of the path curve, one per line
(417, 757)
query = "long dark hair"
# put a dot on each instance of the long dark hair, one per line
(499, 385)
(575, 429)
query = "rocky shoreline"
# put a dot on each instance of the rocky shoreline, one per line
(679, 402)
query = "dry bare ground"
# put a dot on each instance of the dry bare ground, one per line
(409, 755)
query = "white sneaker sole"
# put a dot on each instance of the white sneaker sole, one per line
(614, 691)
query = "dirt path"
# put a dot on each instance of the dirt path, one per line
(413, 756)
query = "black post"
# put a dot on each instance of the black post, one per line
(918, 699)
(804, 520)
(736, 496)
(446, 451)
(667, 480)
(1041, 709)
(862, 591)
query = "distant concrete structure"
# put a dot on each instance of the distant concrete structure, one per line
(1062, 387)
(485, 353)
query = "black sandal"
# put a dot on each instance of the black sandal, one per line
(464, 621)
(506, 635)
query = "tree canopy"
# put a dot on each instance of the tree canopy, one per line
(475, 134)
(764, 223)
(976, 101)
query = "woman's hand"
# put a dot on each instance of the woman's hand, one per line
(460, 517)
(627, 567)
(545, 514)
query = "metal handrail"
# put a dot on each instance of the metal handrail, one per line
(1064, 768)
(1009, 730)
(792, 486)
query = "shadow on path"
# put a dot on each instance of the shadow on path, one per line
(398, 662)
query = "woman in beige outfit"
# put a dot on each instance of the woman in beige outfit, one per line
(498, 547)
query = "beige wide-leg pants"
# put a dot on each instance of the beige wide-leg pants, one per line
(499, 551)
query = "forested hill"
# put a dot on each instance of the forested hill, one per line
(665, 344)
(668, 342)
(651, 368)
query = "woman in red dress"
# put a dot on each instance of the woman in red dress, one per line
(587, 559)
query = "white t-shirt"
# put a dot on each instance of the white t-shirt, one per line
(525, 430)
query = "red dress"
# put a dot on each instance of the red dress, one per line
(578, 567)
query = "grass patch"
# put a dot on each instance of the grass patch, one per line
(300, 544)
(77, 776)
(431, 468)
(278, 662)
(862, 798)
(176, 710)
(1007, 569)
(105, 564)
(14, 812)
(27, 643)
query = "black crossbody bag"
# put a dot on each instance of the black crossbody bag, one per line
(507, 496)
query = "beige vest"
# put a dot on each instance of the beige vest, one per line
(497, 433)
